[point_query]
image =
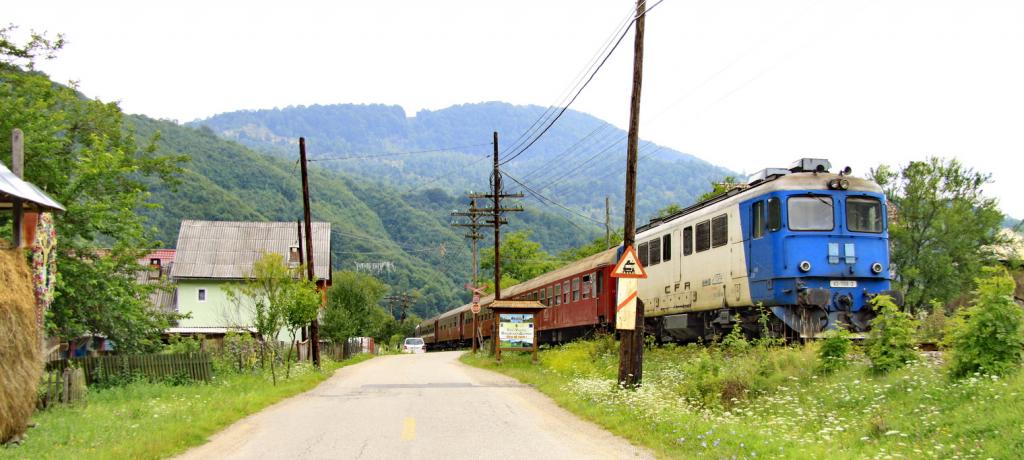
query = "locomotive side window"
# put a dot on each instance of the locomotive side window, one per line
(774, 214)
(704, 236)
(666, 247)
(641, 252)
(719, 231)
(654, 246)
(688, 241)
(864, 214)
(757, 222)
(811, 213)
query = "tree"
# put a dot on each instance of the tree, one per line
(302, 305)
(599, 244)
(267, 295)
(669, 210)
(521, 259)
(351, 301)
(939, 229)
(81, 152)
(718, 188)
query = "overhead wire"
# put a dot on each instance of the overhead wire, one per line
(391, 154)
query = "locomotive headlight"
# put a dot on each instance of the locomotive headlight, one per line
(844, 184)
(805, 266)
(833, 184)
(876, 268)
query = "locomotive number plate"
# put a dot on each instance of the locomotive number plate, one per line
(843, 283)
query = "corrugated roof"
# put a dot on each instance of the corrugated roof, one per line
(228, 250)
(11, 187)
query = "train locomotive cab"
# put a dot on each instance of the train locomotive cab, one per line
(808, 245)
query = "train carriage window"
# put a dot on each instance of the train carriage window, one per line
(641, 252)
(565, 292)
(575, 289)
(864, 214)
(703, 242)
(719, 231)
(585, 290)
(688, 241)
(812, 212)
(654, 246)
(758, 225)
(558, 294)
(774, 214)
(550, 291)
(666, 247)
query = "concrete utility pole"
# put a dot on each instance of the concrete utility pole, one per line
(474, 224)
(631, 345)
(496, 195)
(314, 327)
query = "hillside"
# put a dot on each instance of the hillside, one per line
(370, 223)
(578, 162)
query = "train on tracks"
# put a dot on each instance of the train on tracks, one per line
(793, 251)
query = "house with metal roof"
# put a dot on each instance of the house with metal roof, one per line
(211, 255)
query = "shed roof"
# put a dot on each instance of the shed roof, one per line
(228, 250)
(13, 187)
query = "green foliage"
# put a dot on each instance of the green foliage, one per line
(890, 344)
(82, 153)
(719, 188)
(521, 259)
(352, 306)
(736, 341)
(988, 337)
(932, 324)
(177, 344)
(599, 244)
(239, 352)
(939, 229)
(834, 349)
(669, 210)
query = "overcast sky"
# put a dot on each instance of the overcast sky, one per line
(745, 84)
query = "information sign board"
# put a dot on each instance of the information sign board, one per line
(515, 330)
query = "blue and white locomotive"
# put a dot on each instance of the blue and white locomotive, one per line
(805, 244)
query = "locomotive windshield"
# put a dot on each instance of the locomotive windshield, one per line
(864, 214)
(811, 213)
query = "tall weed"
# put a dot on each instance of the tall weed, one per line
(890, 343)
(833, 350)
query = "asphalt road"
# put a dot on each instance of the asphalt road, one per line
(425, 406)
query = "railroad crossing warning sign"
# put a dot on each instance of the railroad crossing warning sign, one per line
(477, 291)
(628, 271)
(629, 265)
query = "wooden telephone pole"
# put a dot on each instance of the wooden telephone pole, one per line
(631, 345)
(496, 195)
(314, 327)
(474, 224)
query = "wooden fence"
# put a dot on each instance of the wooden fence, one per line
(155, 367)
(62, 386)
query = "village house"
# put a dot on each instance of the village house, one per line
(212, 255)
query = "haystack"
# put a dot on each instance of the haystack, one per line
(21, 362)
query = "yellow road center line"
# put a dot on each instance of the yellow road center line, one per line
(409, 429)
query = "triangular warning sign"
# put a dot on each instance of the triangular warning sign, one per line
(629, 265)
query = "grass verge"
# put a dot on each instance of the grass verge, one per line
(154, 420)
(703, 402)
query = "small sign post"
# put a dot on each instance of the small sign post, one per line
(475, 309)
(628, 270)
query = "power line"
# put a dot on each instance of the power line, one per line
(543, 199)
(391, 154)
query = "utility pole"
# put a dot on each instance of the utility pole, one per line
(403, 300)
(314, 328)
(496, 195)
(302, 258)
(607, 223)
(631, 345)
(18, 168)
(474, 224)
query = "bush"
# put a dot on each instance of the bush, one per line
(240, 352)
(890, 344)
(933, 325)
(736, 341)
(833, 351)
(988, 337)
(177, 344)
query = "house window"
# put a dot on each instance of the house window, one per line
(202, 295)
(575, 289)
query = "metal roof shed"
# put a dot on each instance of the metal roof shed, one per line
(14, 188)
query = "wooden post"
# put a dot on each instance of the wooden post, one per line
(314, 335)
(18, 168)
(631, 345)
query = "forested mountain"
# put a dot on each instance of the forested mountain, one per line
(577, 162)
(408, 236)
